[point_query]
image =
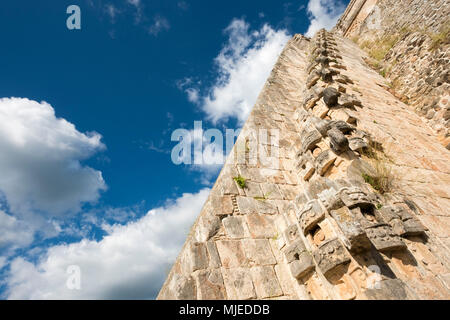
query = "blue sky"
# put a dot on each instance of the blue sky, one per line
(86, 176)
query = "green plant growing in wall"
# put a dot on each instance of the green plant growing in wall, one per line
(241, 181)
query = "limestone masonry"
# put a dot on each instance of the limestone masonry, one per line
(356, 205)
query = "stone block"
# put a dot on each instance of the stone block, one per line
(320, 110)
(357, 144)
(266, 282)
(293, 251)
(213, 255)
(354, 236)
(271, 191)
(330, 255)
(235, 227)
(346, 100)
(208, 225)
(231, 253)
(180, 288)
(338, 141)
(246, 205)
(238, 284)
(210, 285)
(313, 78)
(252, 189)
(384, 239)
(260, 226)
(291, 234)
(195, 257)
(355, 197)
(258, 252)
(310, 139)
(266, 206)
(310, 215)
(330, 96)
(324, 161)
(330, 199)
(301, 267)
(401, 221)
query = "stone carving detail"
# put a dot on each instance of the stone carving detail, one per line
(305, 166)
(330, 96)
(310, 216)
(291, 233)
(355, 197)
(330, 199)
(310, 139)
(355, 238)
(324, 160)
(330, 255)
(338, 141)
(299, 259)
(384, 239)
(402, 222)
(357, 144)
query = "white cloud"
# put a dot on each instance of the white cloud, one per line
(159, 24)
(136, 3)
(131, 262)
(40, 160)
(13, 233)
(243, 64)
(323, 14)
(3, 261)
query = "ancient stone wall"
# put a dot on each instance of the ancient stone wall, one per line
(353, 206)
(408, 42)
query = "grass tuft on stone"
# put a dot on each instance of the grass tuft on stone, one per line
(241, 181)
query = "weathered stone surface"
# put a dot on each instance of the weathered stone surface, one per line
(222, 205)
(235, 227)
(210, 285)
(264, 206)
(402, 222)
(231, 253)
(266, 282)
(338, 141)
(258, 252)
(252, 189)
(310, 215)
(213, 255)
(324, 161)
(354, 236)
(294, 250)
(310, 139)
(195, 257)
(312, 79)
(355, 197)
(271, 191)
(347, 100)
(246, 205)
(260, 226)
(180, 288)
(330, 255)
(357, 144)
(330, 96)
(291, 234)
(330, 199)
(389, 289)
(384, 239)
(238, 284)
(301, 267)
